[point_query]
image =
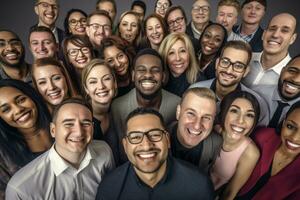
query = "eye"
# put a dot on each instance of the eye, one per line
(5, 109)
(92, 82)
(190, 114)
(250, 115)
(86, 124)
(68, 125)
(182, 50)
(41, 82)
(33, 43)
(233, 110)
(110, 62)
(291, 126)
(171, 52)
(56, 77)
(206, 118)
(21, 99)
(155, 70)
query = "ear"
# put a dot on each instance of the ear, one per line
(132, 75)
(263, 35)
(217, 62)
(52, 129)
(168, 140)
(36, 10)
(124, 142)
(293, 38)
(87, 30)
(247, 71)
(85, 89)
(178, 109)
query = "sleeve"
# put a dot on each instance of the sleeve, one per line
(12, 194)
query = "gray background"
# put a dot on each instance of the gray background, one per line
(18, 15)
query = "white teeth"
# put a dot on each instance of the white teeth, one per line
(54, 94)
(194, 132)
(49, 16)
(147, 84)
(237, 129)
(178, 65)
(24, 117)
(293, 144)
(76, 139)
(81, 61)
(11, 56)
(208, 48)
(273, 42)
(291, 87)
(102, 94)
(148, 155)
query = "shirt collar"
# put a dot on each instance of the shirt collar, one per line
(195, 31)
(276, 97)
(278, 67)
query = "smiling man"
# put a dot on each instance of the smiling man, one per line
(277, 38)
(151, 173)
(192, 136)
(73, 167)
(231, 68)
(148, 75)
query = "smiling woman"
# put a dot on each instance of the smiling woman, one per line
(24, 128)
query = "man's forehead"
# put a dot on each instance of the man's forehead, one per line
(7, 35)
(71, 110)
(192, 101)
(283, 20)
(295, 63)
(148, 60)
(48, 1)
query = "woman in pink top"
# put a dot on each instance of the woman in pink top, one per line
(238, 117)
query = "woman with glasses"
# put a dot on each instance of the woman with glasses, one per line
(212, 40)
(118, 55)
(100, 86)
(178, 55)
(78, 52)
(161, 7)
(24, 128)
(238, 118)
(75, 22)
(276, 175)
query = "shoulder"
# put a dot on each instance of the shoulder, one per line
(251, 152)
(122, 99)
(264, 134)
(206, 84)
(101, 148)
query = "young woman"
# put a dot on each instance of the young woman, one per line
(52, 81)
(100, 86)
(212, 40)
(161, 7)
(155, 31)
(276, 174)
(24, 128)
(178, 55)
(75, 22)
(118, 55)
(238, 117)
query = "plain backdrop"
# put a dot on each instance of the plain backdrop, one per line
(18, 15)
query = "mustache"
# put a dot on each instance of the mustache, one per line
(150, 150)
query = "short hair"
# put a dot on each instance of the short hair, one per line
(66, 21)
(41, 29)
(239, 45)
(103, 1)
(148, 51)
(99, 13)
(140, 4)
(230, 98)
(233, 3)
(200, 92)
(76, 100)
(145, 111)
(171, 9)
(42, 62)
(193, 70)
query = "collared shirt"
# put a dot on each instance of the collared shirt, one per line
(50, 177)
(28, 78)
(234, 37)
(247, 38)
(196, 33)
(180, 181)
(259, 76)
(271, 94)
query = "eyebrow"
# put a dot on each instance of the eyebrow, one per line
(250, 110)
(68, 120)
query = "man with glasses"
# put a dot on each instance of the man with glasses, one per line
(12, 58)
(231, 68)
(47, 12)
(99, 26)
(200, 18)
(161, 7)
(151, 173)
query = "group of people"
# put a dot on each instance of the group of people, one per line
(151, 107)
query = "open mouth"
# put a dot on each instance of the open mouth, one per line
(237, 129)
(80, 29)
(11, 56)
(54, 95)
(81, 60)
(147, 155)
(227, 76)
(291, 88)
(193, 132)
(148, 84)
(292, 146)
(77, 140)
(24, 117)
(102, 94)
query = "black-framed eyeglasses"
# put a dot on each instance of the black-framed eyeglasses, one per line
(162, 5)
(153, 135)
(236, 66)
(75, 52)
(177, 20)
(96, 26)
(204, 9)
(74, 22)
(46, 5)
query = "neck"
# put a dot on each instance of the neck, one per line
(205, 60)
(247, 29)
(46, 25)
(101, 113)
(123, 81)
(73, 158)
(200, 26)
(155, 46)
(149, 103)
(222, 91)
(38, 141)
(230, 144)
(151, 179)
(269, 60)
(18, 73)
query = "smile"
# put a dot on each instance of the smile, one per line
(24, 117)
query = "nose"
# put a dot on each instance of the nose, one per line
(101, 29)
(276, 33)
(117, 62)
(41, 46)
(146, 142)
(241, 119)
(78, 129)
(101, 84)
(154, 30)
(177, 56)
(17, 109)
(80, 54)
(129, 28)
(51, 85)
(198, 123)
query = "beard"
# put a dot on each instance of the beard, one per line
(8, 64)
(282, 95)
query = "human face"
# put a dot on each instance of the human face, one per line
(109, 7)
(161, 7)
(178, 58)
(290, 134)
(252, 13)
(100, 85)
(51, 84)
(201, 12)
(47, 10)
(289, 81)
(239, 120)
(279, 35)
(77, 23)
(147, 157)
(42, 45)
(212, 40)
(117, 60)
(98, 28)
(154, 31)
(17, 109)
(128, 28)
(176, 22)
(82, 56)
(195, 117)
(11, 50)
(148, 75)
(72, 130)
(227, 77)
(140, 11)
(227, 16)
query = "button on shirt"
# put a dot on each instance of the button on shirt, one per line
(50, 177)
(259, 76)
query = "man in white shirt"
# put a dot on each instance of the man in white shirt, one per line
(73, 167)
(267, 65)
